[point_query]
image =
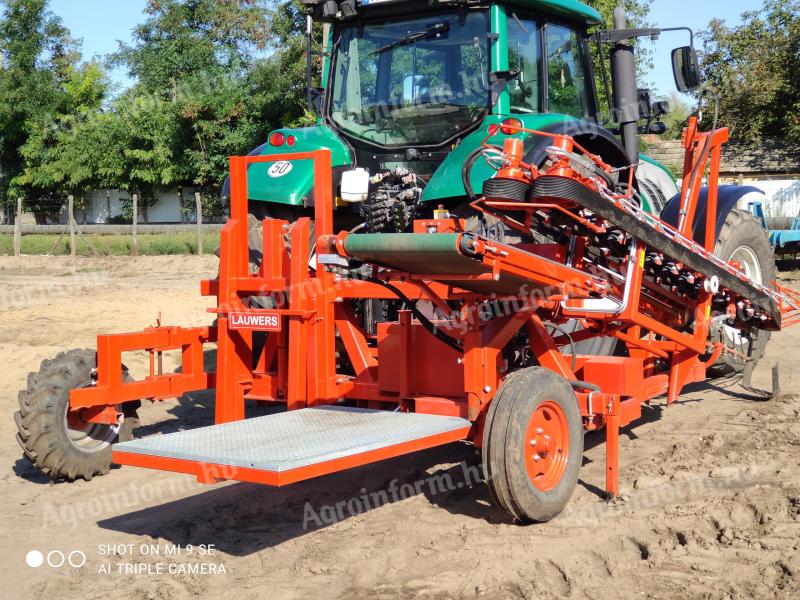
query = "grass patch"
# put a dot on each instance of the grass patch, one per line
(150, 244)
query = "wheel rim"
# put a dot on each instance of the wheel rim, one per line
(748, 260)
(88, 437)
(546, 446)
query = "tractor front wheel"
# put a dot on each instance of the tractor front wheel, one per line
(56, 440)
(533, 445)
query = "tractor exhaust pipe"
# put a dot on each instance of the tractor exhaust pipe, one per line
(626, 96)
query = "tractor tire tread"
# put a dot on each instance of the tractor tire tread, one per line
(41, 432)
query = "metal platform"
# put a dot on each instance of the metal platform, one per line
(292, 446)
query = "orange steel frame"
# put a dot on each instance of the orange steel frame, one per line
(393, 368)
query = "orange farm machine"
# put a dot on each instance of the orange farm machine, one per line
(483, 346)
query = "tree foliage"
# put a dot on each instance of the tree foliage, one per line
(181, 39)
(212, 78)
(38, 79)
(755, 68)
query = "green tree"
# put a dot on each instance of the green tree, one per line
(144, 132)
(37, 59)
(277, 83)
(61, 151)
(755, 68)
(183, 38)
(194, 62)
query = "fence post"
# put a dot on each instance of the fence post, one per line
(199, 209)
(135, 199)
(71, 223)
(18, 229)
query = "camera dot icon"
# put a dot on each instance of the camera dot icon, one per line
(34, 559)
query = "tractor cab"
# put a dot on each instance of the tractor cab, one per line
(427, 79)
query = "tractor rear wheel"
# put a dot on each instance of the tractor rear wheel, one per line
(533, 444)
(255, 230)
(743, 239)
(55, 440)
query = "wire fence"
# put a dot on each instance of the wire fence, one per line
(70, 221)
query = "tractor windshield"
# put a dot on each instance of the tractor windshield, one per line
(413, 81)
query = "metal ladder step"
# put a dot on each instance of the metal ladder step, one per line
(287, 447)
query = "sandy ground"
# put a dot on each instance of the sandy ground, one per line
(710, 506)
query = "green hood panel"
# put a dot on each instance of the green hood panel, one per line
(447, 183)
(291, 184)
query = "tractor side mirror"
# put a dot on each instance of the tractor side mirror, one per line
(686, 69)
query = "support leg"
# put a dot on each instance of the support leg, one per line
(233, 373)
(612, 450)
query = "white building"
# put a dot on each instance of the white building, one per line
(104, 204)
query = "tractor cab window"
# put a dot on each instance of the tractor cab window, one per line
(414, 81)
(524, 57)
(566, 75)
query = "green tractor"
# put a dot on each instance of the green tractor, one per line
(411, 88)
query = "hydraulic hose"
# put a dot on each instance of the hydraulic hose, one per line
(472, 157)
(424, 321)
(583, 385)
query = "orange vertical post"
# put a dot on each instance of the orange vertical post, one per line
(718, 138)
(234, 350)
(299, 327)
(612, 448)
(322, 389)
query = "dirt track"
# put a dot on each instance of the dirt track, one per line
(711, 504)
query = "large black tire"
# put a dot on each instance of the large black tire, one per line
(742, 238)
(255, 227)
(255, 245)
(55, 448)
(509, 463)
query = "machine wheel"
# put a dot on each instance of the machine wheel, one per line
(744, 240)
(58, 444)
(533, 444)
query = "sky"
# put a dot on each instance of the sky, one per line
(687, 13)
(101, 23)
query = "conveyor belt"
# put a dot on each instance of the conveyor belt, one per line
(563, 188)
